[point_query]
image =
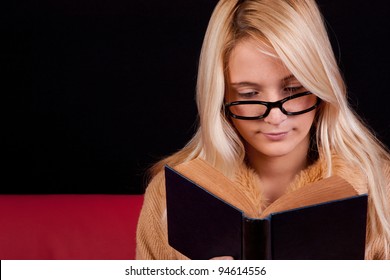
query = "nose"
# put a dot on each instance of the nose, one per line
(275, 117)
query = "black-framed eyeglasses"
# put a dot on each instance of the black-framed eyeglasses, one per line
(296, 104)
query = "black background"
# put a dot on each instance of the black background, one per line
(95, 92)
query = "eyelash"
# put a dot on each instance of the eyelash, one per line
(248, 94)
(292, 89)
(251, 94)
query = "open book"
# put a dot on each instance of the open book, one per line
(208, 216)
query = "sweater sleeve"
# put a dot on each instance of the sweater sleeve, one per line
(152, 237)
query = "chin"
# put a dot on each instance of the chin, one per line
(275, 151)
(273, 154)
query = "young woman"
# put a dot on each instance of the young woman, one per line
(274, 117)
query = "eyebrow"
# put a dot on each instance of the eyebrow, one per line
(245, 83)
(289, 77)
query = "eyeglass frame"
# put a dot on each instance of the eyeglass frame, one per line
(271, 105)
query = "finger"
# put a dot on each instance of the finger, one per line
(223, 258)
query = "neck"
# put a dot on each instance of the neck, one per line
(277, 173)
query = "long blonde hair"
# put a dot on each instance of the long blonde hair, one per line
(295, 30)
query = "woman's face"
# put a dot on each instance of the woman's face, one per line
(254, 75)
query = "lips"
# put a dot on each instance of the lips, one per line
(276, 136)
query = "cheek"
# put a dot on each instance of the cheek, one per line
(305, 122)
(245, 128)
(309, 120)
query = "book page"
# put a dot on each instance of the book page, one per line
(215, 182)
(332, 188)
(212, 180)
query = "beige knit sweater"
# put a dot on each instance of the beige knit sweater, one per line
(152, 240)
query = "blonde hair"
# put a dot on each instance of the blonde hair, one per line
(296, 32)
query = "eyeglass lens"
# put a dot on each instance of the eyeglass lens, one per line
(291, 106)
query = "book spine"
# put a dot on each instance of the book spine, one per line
(256, 239)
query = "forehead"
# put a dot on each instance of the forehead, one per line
(252, 60)
(252, 45)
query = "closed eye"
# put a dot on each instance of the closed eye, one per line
(248, 95)
(294, 89)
